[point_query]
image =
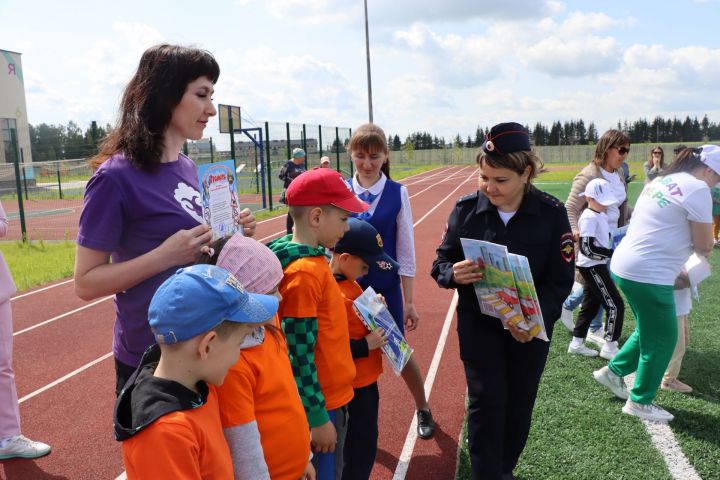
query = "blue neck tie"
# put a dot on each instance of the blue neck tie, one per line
(368, 198)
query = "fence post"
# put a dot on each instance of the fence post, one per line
(287, 133)
(352, 173)
(232, 136)
(58, 179)
(22, 160)
(320, 140)
(21, 208)
(304, 145)
(337, 147)
(212, 154)
(268, 171)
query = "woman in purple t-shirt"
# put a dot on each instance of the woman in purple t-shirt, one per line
(142, 207)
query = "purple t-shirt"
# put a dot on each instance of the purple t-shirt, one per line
(128, 212)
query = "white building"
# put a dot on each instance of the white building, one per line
(13, 110)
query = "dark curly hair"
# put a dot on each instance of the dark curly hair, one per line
(147, 103)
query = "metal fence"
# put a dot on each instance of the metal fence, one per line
(43, 200)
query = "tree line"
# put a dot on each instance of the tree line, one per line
(575, 132)
(61, 142)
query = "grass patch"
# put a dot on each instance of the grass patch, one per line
(38, 262)
(578, 430)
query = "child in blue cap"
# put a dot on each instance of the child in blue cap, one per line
(167, 415)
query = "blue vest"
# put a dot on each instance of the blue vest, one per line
(384, 219)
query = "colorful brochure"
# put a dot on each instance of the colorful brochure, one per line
(219, 195)
(507, 290)
(374, 315)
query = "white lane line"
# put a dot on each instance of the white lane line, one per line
(62, 315)
(443, 180)
(663, 439)
(411, 438)
(40, 290)
(443, 200)
(64, 377)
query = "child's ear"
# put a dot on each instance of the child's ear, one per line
(314, 216)
(205, 344)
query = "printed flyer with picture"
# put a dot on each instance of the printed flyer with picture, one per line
(507, 290)
(375, 315)
(219, 196)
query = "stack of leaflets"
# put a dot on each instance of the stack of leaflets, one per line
(219, 196)
(375, 315)
(507, 290)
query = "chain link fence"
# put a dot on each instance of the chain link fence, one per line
(43, 200)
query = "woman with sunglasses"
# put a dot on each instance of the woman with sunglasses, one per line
(655, 164)
(610, 153)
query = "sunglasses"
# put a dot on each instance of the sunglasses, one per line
(657, 153)
(623, 150)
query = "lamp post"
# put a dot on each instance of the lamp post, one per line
(367, 55)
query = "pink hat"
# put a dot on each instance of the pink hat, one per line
(253, 264)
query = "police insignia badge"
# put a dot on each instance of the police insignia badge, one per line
(383, 265)
(567, 247)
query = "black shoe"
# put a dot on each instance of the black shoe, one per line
(425, 424)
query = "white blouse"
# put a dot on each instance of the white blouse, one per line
(405, 247)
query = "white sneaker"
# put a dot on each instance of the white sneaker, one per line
(608, 379)
(566, 317)
(609, 350)
(647, 412)
(597, 337)
(582, 350)
(20, 446)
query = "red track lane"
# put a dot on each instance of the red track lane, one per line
(76, 424)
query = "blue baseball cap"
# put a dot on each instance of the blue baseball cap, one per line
(364, 241)
(196, 299)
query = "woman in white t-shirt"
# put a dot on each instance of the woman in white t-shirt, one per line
(672, 218)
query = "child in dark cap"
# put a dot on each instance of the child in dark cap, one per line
(360, 251)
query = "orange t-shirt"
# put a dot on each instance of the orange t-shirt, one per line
(368, 369)
(187, 444)
(261, 387)
(309, 290)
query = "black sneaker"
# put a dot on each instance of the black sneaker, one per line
(425, 424)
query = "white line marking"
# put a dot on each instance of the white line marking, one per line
(62, 316)
(443, 200)
(40, 290)
(406, 454)
(64, 377)
(664, 441)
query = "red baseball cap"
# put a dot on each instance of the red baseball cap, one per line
(323, 186)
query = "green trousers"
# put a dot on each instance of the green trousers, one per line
(650, 347)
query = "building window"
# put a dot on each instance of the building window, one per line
(7, 153)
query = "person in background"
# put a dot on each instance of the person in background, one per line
(325, 162)
(13, 444)
(503, 367)
(292, 168)
(655, 164)
(671, 220)
(142, 217)
(610, 154)
(715, 192)
(683, 305)
(391, 215)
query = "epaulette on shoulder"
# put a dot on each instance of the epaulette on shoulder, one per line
(549, 199)
(468, 197)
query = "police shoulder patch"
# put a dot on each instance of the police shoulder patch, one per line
(567, 247)
(468, 197)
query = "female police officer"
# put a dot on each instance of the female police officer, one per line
(502, 367)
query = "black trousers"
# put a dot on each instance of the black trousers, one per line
(502, 376)
(362, 435)
(122, 375)
(600, 290)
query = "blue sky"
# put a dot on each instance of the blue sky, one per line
(443, 67)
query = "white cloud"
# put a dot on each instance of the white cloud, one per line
(574, 58)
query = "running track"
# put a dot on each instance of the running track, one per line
(65, 377)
